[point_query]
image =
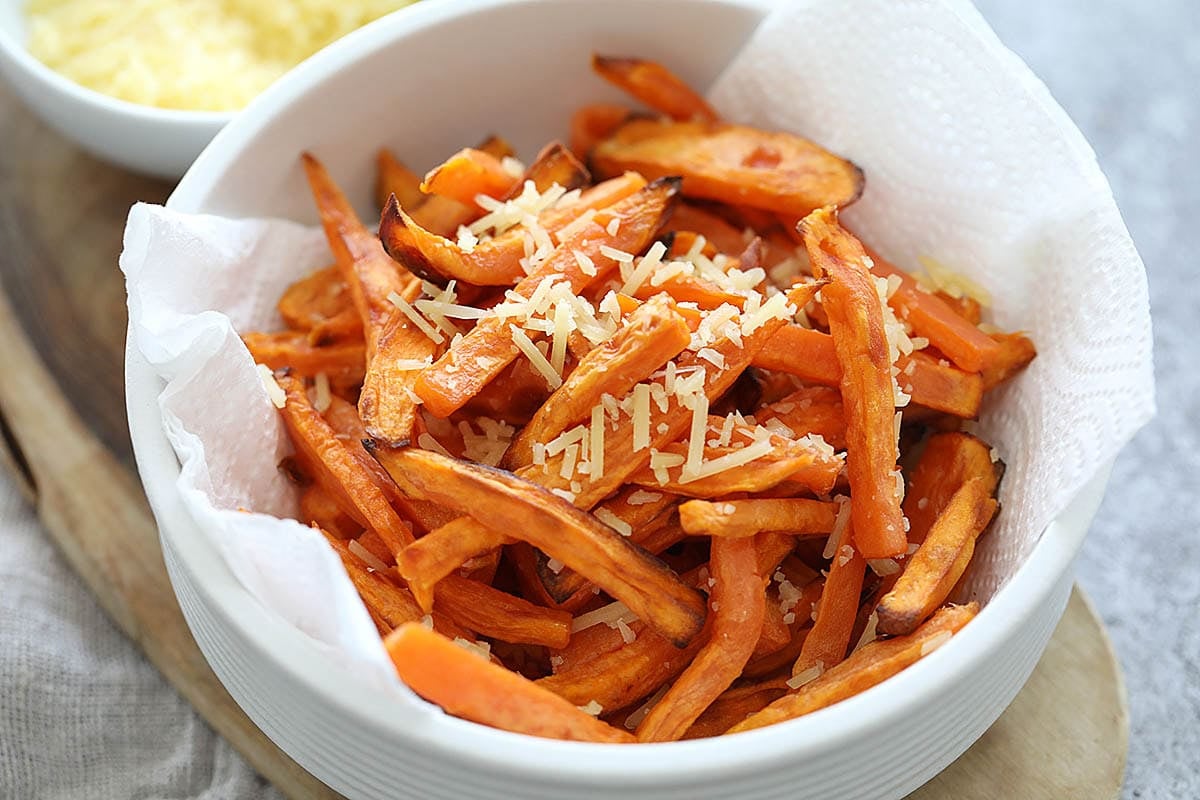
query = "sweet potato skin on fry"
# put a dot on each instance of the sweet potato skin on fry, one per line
(856, 324)
(870, 665)
(733, 164)
(467, 686)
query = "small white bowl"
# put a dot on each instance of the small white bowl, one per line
(377, 87)
(154, 141)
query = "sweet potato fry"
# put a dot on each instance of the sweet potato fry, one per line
(480, 355)
(868, 667)
(650, 336)
(642, 519)
(740, 518)
(810, 355)
(724, 237)
(337, 470)
(392, 177)
(496, 261)
(555, 164)
(734, 705)
(856, 324)
(343, 327)
(963, 343)
(499, 615)
(937, 385)
(1014, 352)
(811, 410)
(593, 123)
(619, 678)
(737, 603)
(656, 86)
(320, 508)
(385, 402)
(693, 289)
(313, 299)
(467, 174)
(733, 164)
(774, 634)
(341, 363)
(829, 638)
(947, 462)
(931, 572)
(523, 510)
(441, 551)
(798, 462)
(390, 603)
(468, 686)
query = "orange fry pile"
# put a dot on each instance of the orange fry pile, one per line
(636, 442)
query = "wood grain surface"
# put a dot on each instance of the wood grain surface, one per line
(62, 416)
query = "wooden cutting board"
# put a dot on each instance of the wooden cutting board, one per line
(62, 416)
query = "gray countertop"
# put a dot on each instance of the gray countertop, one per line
(1128, 73)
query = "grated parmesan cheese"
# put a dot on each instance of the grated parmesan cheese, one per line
(934, 642)
(275, 392)
(807, 676)
(536, 359)
(324, 396)
(613, 521)
(366, 556)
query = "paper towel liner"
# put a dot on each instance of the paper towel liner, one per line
(968, 160)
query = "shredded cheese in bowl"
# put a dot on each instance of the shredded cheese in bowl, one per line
(197, 55)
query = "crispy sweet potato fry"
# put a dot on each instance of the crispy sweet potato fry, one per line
(724, 237)
(939, 562)
(734, 705)
(733, 164)
(500, 615)
(341, 363)
(496, 261)
(775, 633)
(593, 123)
(619, 678)
(1014, 352)
(811, 410)
(798, 462)
(737, 609)
(320, 508)
(519, 508)
(337, 470)
(829, 638)
(693, 289)
(739, 518)
(467, 174)
(390, 603)
(871, 665)
(856, 324)
(468, 686)
(656, 86)
(555, 164)
(652, 335)
(948, 461)
(480, 355)
(314, 299)
(385, 402)
(811, 355)
(392, 177)
(963, 343)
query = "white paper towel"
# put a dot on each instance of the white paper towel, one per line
(968, 160)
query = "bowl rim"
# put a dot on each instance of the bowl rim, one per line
(499, 751)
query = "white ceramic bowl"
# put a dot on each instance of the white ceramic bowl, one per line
(145, 139)
(376, 87)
